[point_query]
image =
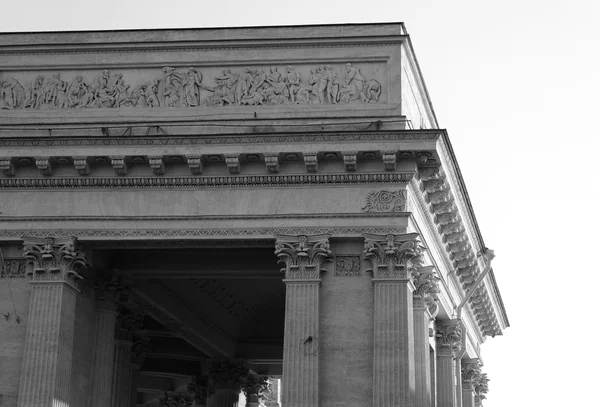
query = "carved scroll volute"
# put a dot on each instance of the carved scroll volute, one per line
(303, 256)
(54, 259)
(449, 338)
(393, 256)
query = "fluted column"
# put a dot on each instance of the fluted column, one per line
(449, 344)
(47, 358)
(303, 257)
(226, 377)
(425, 308)
(470, 372)
(395, 259)
(105, 318)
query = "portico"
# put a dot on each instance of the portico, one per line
(267, 211)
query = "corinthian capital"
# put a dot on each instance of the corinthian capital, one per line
(449, 338)
(54, 259)
(303, 256)
(426, 287)
(470, 372)
(393, 256)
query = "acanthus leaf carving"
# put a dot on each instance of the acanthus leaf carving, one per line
(54, 259)
(176, 399)
(303, 255)
(227, 373)
(426, 290)
(386, 201)
(449, 338)
(393, 256)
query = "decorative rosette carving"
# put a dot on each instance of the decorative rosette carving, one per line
(54, 259)
(386, 201)
(449, 339)
(303, 255)
(393, 256)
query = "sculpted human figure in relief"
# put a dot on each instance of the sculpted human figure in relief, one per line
(248, 86)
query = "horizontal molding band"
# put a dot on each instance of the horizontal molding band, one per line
(202, 181)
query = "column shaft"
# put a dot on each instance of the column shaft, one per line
(300, 344)
(121, 384)
(224, 398)
(423, 394)
(394, 358)
(104, 357)
(445, 381)
(468, 397)
(48, 353)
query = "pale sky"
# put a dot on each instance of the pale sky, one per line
(515, 84)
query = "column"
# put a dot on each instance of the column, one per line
(470, 371)
(480, 388)
(139, 350)
(303, 257)
(254, 387)
(199, 389)
(226, 377)
(448, 344)
(47, 358)
(128, 321)
(394, 259)
(105, 318)
(425, 308)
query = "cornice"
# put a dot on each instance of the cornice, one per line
(102, 234)
(206, 217)
(437, 199)
(203, 181)
(58, 141)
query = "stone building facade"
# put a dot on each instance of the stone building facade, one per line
(190, 214)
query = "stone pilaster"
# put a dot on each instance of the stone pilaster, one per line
(303, 257)
(449, 344)
(254, 387)
(105, 318)
(395, 259)
(54, 265)
(470, 372)
(425, 308)
(226, 377)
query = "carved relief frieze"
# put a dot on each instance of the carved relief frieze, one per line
(348, 266)
(393, 256)
(386, 201)
(13, 268)
(186, 88)
(54, 259)
(303, 255)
